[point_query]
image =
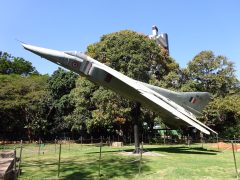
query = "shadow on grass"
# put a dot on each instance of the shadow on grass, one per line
(111, 167)
(184, 150)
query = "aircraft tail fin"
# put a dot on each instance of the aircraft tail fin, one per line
(192, 101)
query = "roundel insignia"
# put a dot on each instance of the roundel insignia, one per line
(75, 64)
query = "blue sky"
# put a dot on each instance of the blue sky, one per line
(192, 26)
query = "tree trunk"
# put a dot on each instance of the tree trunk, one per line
(136, 112)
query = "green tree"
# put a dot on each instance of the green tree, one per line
(60, 85)
(223, 113)
(136, 56)
(15, 65)
(212, 73)
(22, 105)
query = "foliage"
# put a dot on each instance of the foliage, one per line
(23, 104)
(223, 114)
(60, 85)
(15, 65)
(212, 73)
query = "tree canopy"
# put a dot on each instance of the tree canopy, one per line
(15, 65)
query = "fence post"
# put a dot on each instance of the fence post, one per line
(217, 142)
(68, 144)
(81, 139)
(20, 158)
(234, 158)
(235, 142)
(140, 160)
(14, 165)
(55, 145)
(59, 159)
(100, 158)
(91, 139)
(39, 146)
(188, 141)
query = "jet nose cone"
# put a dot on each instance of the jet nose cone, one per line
(34, 49)
(44, 52)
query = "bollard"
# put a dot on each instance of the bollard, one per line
(91, 139)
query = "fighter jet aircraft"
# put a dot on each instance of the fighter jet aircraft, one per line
(175, 109)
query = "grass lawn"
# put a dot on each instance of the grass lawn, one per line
(82, 162)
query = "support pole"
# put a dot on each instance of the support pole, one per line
(136, 139)
(136, 112)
